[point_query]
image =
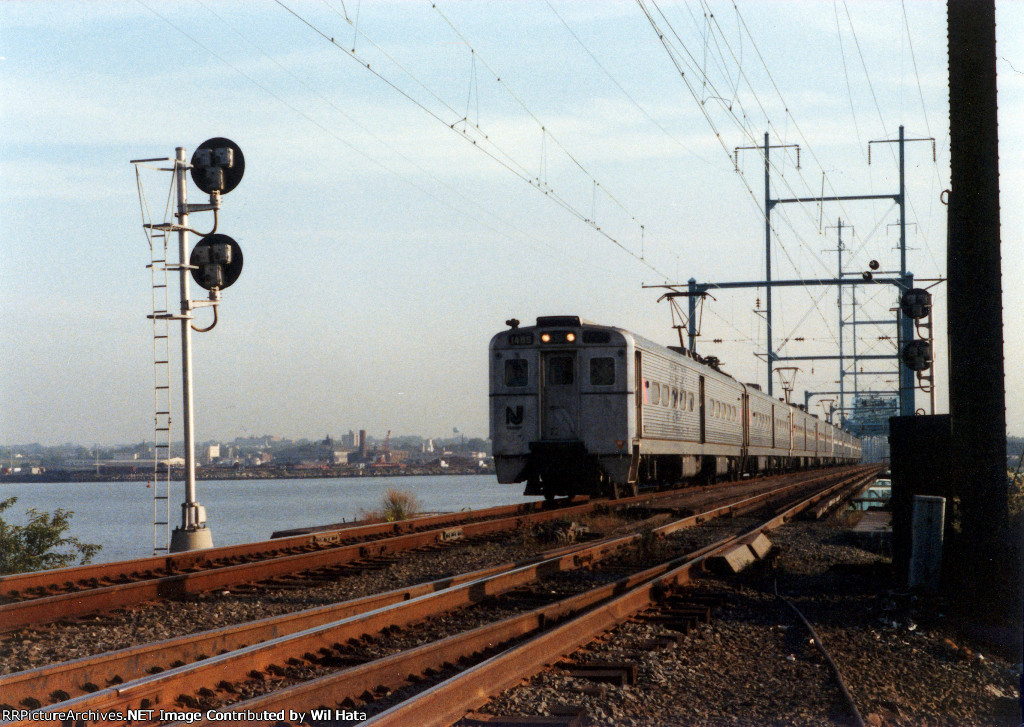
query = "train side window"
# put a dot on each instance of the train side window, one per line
(602, 371)
(560, 370)
(517, 372)
(655, 393)
(675, 398)
(691, 401)
(665, 391)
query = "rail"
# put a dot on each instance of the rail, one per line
(196, 572)
(304, 632)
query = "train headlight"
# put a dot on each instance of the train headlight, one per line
(570, 337)
(545, 337)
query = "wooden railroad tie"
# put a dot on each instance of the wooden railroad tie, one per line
(618, 673)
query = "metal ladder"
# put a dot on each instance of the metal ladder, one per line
(161, 482)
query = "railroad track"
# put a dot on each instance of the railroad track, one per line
(26, 586)
(446, 702)
(309, 558)
(329, 648)
(296, 561)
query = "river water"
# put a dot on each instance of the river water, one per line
(119, 515)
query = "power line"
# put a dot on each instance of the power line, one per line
(466, 135)
(677, 61)
(352, 147)
(622, 89)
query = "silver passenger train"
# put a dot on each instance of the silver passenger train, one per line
(579, 408)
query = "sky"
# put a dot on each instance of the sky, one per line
(417, 173)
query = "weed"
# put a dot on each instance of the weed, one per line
(398, 505)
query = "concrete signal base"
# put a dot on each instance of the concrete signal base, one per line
(195, 539)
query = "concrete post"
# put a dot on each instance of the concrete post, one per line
(929, 519)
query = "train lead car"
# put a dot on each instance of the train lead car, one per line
(579, 408)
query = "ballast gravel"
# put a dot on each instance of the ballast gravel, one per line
(147, 623)
(754, 663)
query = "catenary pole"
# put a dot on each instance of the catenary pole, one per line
(977, 398)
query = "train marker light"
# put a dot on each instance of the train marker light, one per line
(217, 165)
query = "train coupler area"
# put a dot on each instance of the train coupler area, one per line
(559, 468)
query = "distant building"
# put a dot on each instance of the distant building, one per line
(212, 453)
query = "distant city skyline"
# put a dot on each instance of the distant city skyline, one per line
(254, 439)
(536, 160)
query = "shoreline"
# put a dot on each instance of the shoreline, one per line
(262, 473)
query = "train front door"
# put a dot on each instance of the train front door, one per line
(559, 396)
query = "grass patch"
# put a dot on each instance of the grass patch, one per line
(398, 505)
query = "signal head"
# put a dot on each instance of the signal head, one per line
(218, 262)
(217, 165)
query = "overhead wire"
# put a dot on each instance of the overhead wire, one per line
(746, 337)
(810, 149)
(807, 145)
(537, 184)
(677, 60)
(789, 115)
(338, 138)
(846, 75)
(749, 131)
(927, 126)
(402, 155)
(874, 97)
(522, 104)
(618, 85)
